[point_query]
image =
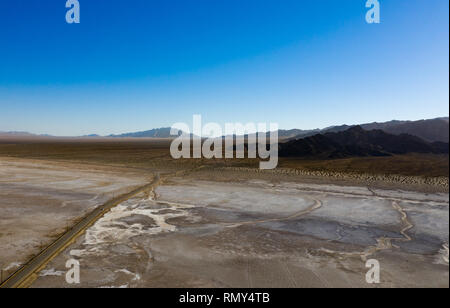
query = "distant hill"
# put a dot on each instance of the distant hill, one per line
(432, 130)
(356, 141)
(16, 134)
(153, 133)
(284, 134)
(429, 130)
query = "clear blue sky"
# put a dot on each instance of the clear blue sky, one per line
(139, 64)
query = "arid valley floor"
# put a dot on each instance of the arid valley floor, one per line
(222, 223)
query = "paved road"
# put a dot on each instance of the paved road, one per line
(20, 277)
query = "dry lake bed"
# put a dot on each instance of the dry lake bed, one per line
(251, 233)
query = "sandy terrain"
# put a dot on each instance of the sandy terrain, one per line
(39, 199)
(259, 233)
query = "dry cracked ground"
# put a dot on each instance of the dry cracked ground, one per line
(195, 231)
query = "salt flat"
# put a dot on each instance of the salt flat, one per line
(39, 199)
(197, 233)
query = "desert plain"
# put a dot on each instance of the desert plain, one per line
(222, 223)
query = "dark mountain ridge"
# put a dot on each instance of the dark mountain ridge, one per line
(356, 141)
(431, 130)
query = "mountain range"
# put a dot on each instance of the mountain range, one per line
(429, 130)
(153, 133)
(432, 130)
(356, 141)
(16, 134)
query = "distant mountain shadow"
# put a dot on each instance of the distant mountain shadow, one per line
(356, 141)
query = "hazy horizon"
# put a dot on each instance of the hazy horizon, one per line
(156, 128)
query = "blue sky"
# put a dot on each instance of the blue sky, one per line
(140, 64)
